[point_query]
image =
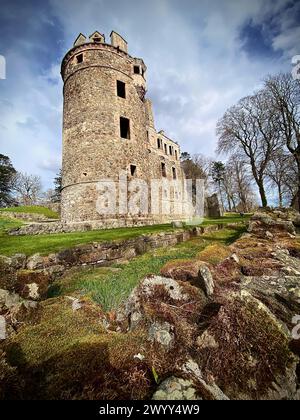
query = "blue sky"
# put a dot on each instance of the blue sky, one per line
(202, 57)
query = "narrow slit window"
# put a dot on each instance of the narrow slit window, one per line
(176, 154)
(79, 58)
(170, 150)
(121, 89)
(136, 70)
(174, 173)
(163, 170)
(132, 170)
(124, 128)
(166, 149)
(158, 143)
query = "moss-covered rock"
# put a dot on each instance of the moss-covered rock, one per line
(214, 254)
(32, 284)
(68, 354)
(250, 356)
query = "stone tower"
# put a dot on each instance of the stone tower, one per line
(108, 127)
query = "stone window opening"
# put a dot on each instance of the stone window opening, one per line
(176, 154)
(125, 128)
(97, 40)
(166, 149)
(163, 170)
(174, 173)
(136, 69)
(132, 170)
(171, 150)
(158, 143)
(84, 174)
(121, 89)
(79, 58)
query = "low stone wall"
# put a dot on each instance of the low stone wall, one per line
(31, 276)
(29, 217)
(53, 227)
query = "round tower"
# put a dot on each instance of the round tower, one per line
(104, 123)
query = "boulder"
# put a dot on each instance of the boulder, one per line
(246, 350)
(261, 223)
(166, 309)
(35, 262)
(175, 388)
(177, 224)
(161, 332)
(7, 273)
(32, 284)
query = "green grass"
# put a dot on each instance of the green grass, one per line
(32, 210)
(110, 286)
(46, 244)
(8, 224)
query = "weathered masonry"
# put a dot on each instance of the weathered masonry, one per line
(108, 127)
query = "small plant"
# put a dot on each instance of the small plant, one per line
(155, 376)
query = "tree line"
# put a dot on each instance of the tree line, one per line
(262, 132)
(17, 188)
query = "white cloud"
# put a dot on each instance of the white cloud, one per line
(196, 68)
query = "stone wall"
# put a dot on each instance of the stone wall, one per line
(31, 276)
(29, 217)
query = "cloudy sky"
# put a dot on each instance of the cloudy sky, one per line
(202, 57)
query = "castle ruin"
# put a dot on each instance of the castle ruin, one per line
(108, 129)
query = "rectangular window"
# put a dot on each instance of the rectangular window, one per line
(171, 150)
(132, 170)
(79, 58)
(176, 154)
(136, 69)
(121, 89)
(124, 128)
(163, 170)
(158, 143)
(174, 173)
(166, 149)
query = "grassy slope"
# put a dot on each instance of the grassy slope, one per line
(45, 244)
(110, 286)
(32, 210)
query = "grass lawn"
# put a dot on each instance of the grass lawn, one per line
(32, 210)
(46, 244)
(110, 286)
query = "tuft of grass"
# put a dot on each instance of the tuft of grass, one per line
(32, 210)
(109, 287)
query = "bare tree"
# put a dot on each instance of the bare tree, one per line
(249, 131)
(242, 183)
(28, 188)
(282, 174)
(285, 96)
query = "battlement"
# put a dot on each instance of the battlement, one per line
(116, 40)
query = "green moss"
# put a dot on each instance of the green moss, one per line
(69, 355)
(214, 254)
(254, 349)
